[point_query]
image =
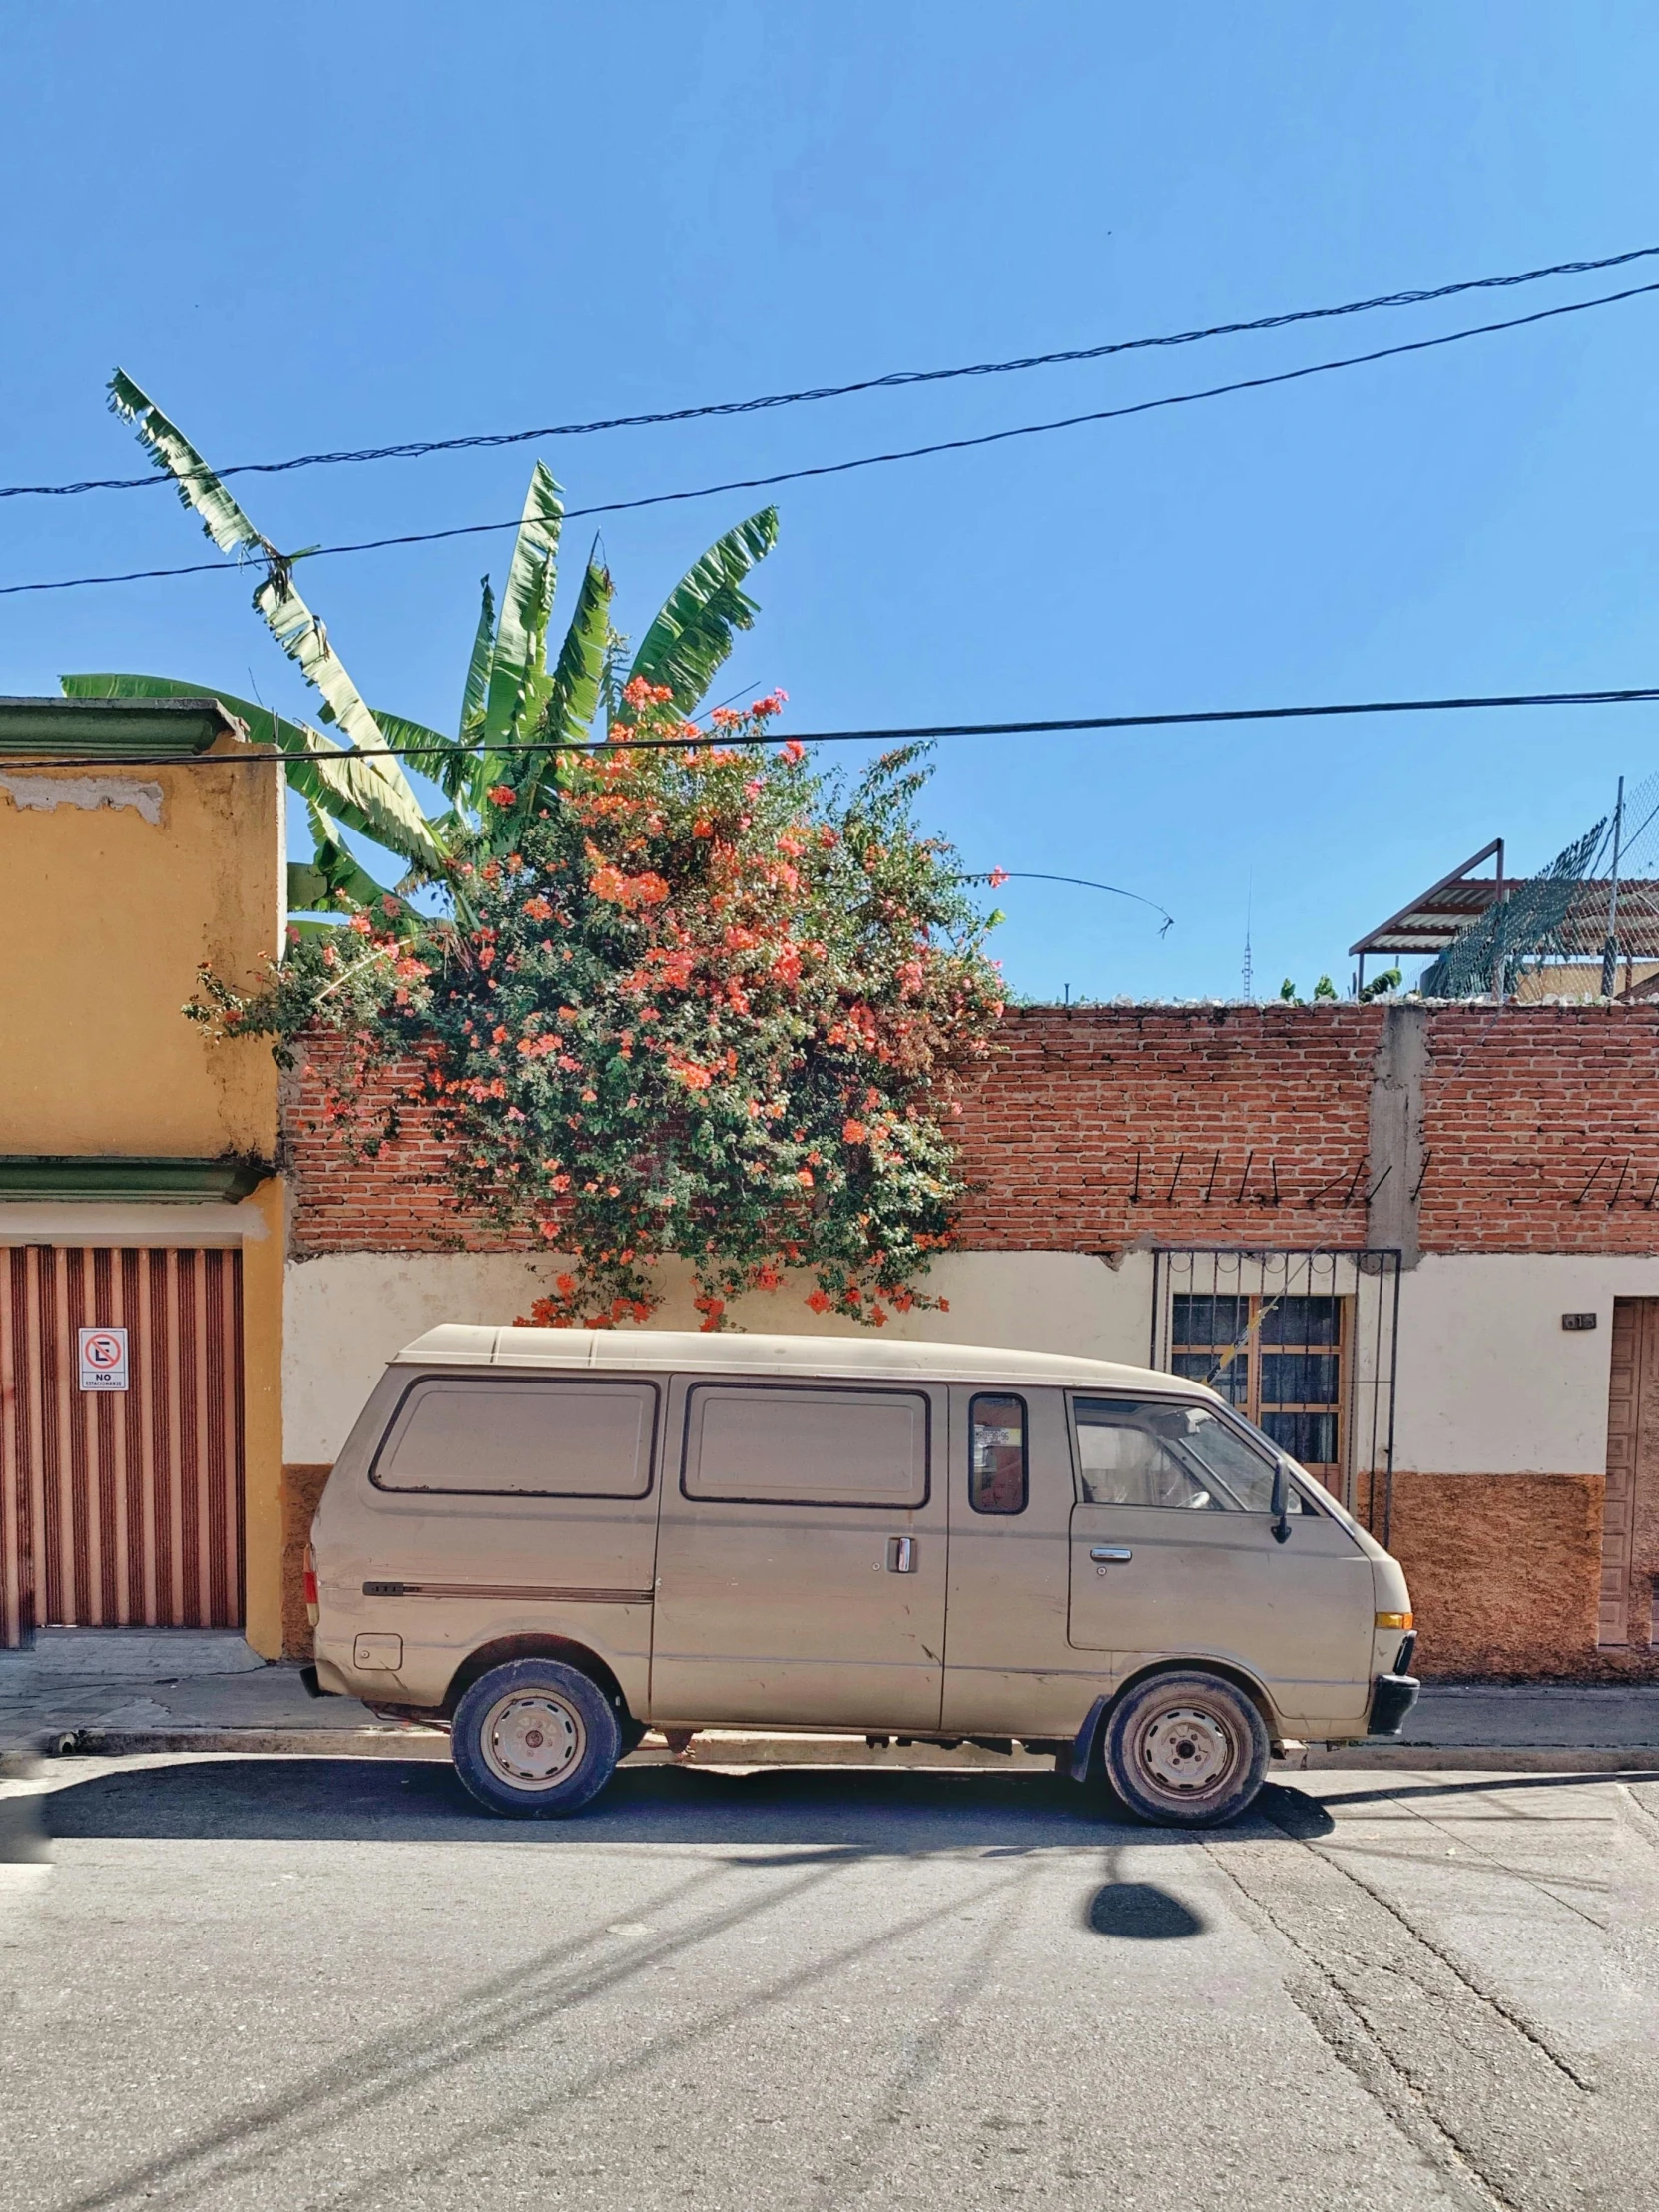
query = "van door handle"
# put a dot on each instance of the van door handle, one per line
(1119, 1552)
(901, 1556)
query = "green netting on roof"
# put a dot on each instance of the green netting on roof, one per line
(1565, 914)
(1527, 927)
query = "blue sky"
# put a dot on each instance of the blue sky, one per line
(355, 224)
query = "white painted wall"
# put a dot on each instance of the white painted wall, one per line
(1489, 1381)
(349, 1312)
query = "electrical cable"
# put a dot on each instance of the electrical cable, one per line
(872, 460)
(896, 379)
(914, 736)
(1084, 884)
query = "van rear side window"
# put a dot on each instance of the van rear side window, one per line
(463, 1435)
(772, 1445)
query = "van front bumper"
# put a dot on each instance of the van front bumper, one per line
(1392, 1697)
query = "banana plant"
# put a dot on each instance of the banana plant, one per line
(510, 698)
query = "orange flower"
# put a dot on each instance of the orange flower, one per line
(803, 1175)
(854, 1132)
(818, 1302)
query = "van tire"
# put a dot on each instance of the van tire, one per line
(1185, 1750)
(536, 1739)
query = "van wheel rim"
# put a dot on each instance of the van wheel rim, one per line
(532, 1739)
(1186, 1752)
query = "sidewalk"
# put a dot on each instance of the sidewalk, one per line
(114, 1692)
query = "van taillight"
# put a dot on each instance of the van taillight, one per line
(311, 1576)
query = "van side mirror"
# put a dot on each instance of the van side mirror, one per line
(1280, 1504)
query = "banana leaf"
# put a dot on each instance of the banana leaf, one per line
(568, 716)
(348, 787)
(308, 889)
(519, 660)
(694, 629)
(346, 885)
(297, 629)
(175, 456)
(443, 759)
(477, 693)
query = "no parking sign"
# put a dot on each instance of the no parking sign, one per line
(103, 1358)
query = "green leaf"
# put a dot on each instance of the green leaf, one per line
(382, 784)
(574, 696)
(693, 630)
(173, 454)
(348, 886)
(445, 760)
(308, 889)
(476, 694)
(520, 655)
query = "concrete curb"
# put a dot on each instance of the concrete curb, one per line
(1642, 1759)
(734, 1749)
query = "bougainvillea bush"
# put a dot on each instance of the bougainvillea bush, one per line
(713, 1005)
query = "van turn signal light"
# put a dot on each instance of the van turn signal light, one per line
(1393, 1620)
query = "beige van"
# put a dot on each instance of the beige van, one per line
(551, 1539)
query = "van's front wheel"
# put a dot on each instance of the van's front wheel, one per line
(535, 1738)
(1186, 1750)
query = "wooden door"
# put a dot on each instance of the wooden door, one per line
(1630, 1510)
(120, 1508)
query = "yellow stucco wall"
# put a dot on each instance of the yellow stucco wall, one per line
(114, 885)
(262, 1262)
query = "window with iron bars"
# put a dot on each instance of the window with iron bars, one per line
(1279, 1358)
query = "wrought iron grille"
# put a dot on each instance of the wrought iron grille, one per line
(1305, 1344)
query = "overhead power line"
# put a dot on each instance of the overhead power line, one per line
(893, 380)
(1084, 884)
(870, 460)
(912, 735)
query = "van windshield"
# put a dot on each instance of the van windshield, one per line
(1152, 1452)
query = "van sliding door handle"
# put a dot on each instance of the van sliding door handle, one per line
(901, 1556)
(1118, 1552)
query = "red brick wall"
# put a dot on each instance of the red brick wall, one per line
(1250, 1124)
(1175, 1125)
(1198, 1125)
(1541, 1130)
(397, 1201)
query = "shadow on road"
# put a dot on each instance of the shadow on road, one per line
(421, 1800)
(1142, 1913)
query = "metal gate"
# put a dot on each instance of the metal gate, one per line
(1305, 1344)
(120, 1508)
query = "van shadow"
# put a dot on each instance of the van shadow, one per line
(422, 1801)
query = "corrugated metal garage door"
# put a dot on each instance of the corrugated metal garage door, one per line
(120, 1508)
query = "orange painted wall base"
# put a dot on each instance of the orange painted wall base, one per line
(1504, 1572)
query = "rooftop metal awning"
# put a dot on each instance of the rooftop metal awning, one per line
(1430, 922)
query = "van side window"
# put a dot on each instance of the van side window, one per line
(997, 1456)
(769, 1445)
(1170, 1452)
(464, 1435)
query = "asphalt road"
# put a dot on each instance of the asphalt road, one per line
(309, 1983)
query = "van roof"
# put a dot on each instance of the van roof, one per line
(465, 1343)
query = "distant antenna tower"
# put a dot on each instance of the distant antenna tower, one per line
(1249, 971)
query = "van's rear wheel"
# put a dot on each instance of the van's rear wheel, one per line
(1186, 1750)
(535, 1738)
